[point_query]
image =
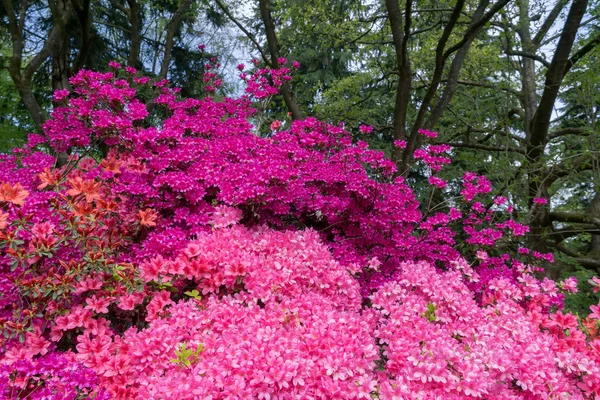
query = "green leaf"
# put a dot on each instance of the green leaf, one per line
(194, 293)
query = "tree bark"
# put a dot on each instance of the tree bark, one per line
(554, 77)
(23, 76)
(273, 45)
(593, 214)
(82, 10)
(136, 35)
(441, 56)
(170, 39)
(60, 65)
(404, 73)
(540, 123)
(455, 67)
(528, 76)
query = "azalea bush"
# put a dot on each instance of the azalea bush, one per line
(178, 254)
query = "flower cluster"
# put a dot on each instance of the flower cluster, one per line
(454, 348)
(54, 377)
(265, 82)
(287, 321)
(433, 156)
(194, 259)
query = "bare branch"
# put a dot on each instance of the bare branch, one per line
(404, 72)
(82, 9)
(56, 34)
(407, 22)
(580, 218)
(584, 23)
(535, 57)
(22, 76)
(454, 72)
(566, 131)
(429, 28)
(440, 59)
(589, 263)
(136, 33)
(570, 231)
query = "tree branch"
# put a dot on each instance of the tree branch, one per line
(582, 260)
(429, 28)
(22, 77)
(15, 29)
(407, 22)
(529, 55)
(567, 232)
(567, 167)
(566, 131)
(136, 34)
(56, 34)
(404, 73)
(440, 59)
(117, 4)
(554, 77)
(579, 218)
(589, 263)
(472, 31)
(486, 147)
(549, 21)
(579, 54)
(248, 34)
(455, 67)
(83, 15)
(584, 23)
(490, 86)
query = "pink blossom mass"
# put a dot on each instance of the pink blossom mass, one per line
(195, 259)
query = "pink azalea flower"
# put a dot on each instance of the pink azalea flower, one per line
(401, 144)
(224, 216)
(428, 133)
(595, 312)
(97, 304)
(569, 285)
(366, 129)
(275, 125)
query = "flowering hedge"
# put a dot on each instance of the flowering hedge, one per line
(195, 259)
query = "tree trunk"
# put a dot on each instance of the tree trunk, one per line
(273, 45)
(38, 115)
(540, 124)
(60, 65)
(136, 36)
(82, 9)
(170, 39)
(593, 213)
(404, 77)
(455, 67)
